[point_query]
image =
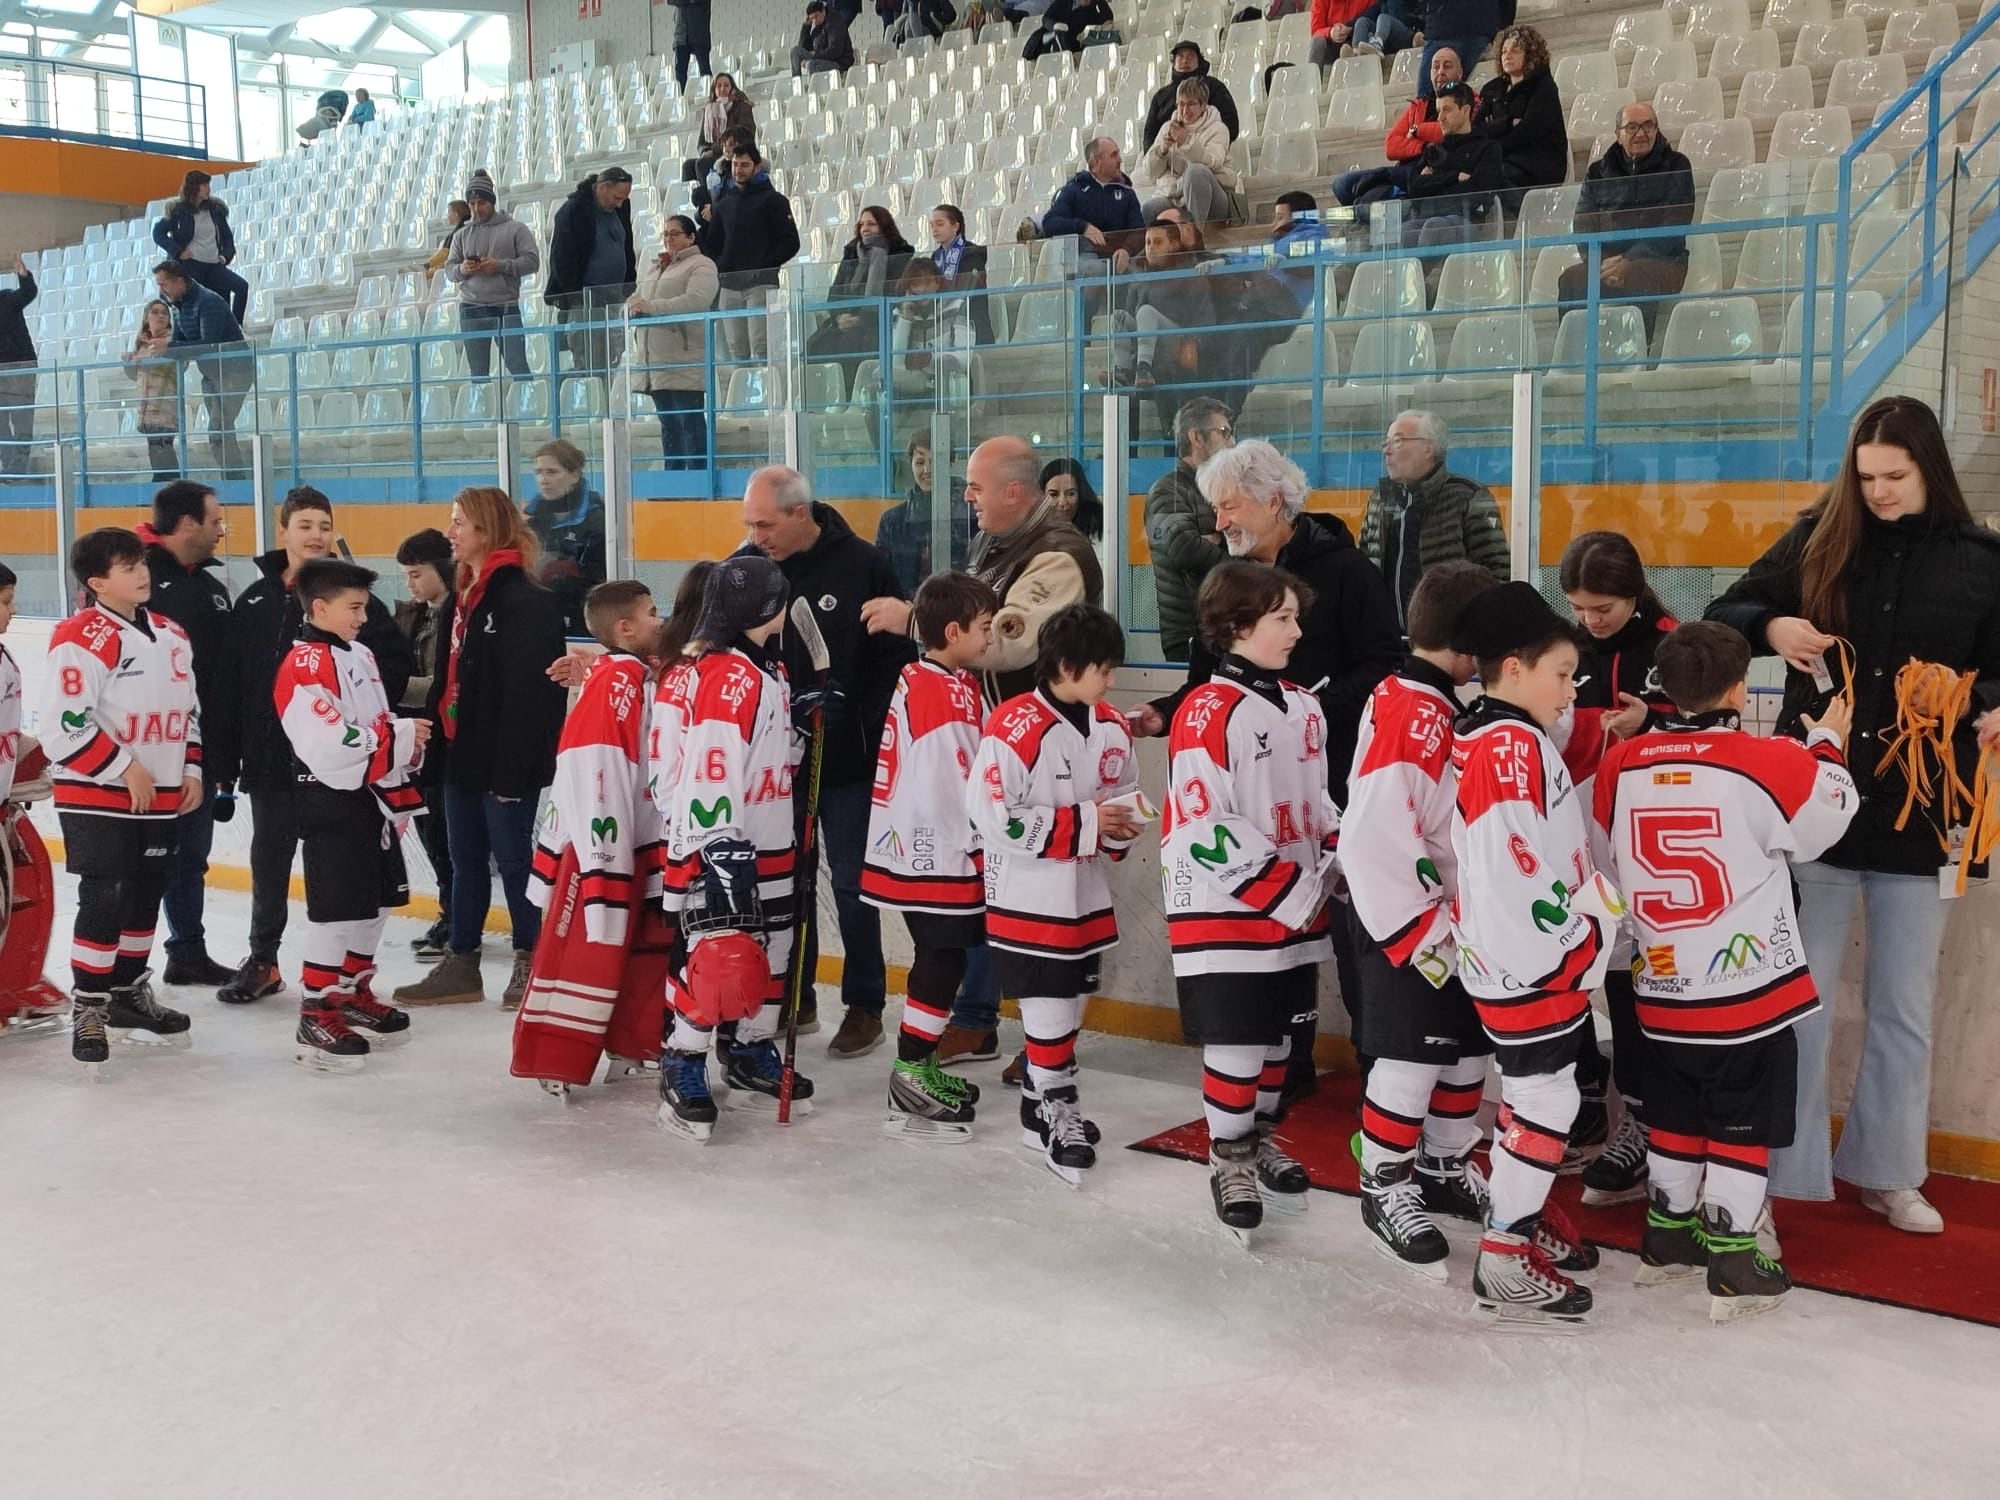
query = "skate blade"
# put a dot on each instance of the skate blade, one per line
(1665, 1275)
(1610, 1197)
(21, 1028)
(1073, 1176)
(132, 1036)
(752, 1102)
(630, 1070)
(1735, 1309)
(1031, 1140)
(1437, 1270)
(924, 1131)
(316, 1061)
(96, 1072)
(377, 1040)
(1239, 1235)
(1514, 1319)
(1291, 1205)
(691, 1130)
(554, 1089)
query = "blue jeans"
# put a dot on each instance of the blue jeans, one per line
(482, 828)
(683, 429)
(1386, 33)
(843, 831)
(187, 875)
(1884, 1142)
(1468, 49)
(977, 1007)
(476, 320)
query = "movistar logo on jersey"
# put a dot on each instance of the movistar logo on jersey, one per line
(1015, 828)
(604, 830)
(1427, 874)
(350, 736)
(1743, 951)
(710, 814)
(1216, 852)
(1551, 915)
(74, 722)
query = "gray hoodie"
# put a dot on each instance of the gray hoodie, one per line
(506, 240)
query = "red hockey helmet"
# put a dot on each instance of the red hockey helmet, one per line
(727, 978)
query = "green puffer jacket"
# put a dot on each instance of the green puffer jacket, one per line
(1177, 520)
(1454, 518)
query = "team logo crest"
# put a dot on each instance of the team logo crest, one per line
(827, 603)
(1111, 765)
(1315, 735)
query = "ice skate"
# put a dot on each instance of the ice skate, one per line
(1233, 1183)
(1742, 1280)
(1453, 1186)
(381, 1025)
(1392, 1209)
(1031, 1121)
(326, 1045)
(686, 1106)
(630, 1069)
(754, 1071)
(43, 1011)
(555, 1089)
(135, 1017)
(1066, 1150)
(1590, 1130)
(924, 1107)
(1672, 1248)
(1557, 1238)
(1619, 1173)
(87, 1042)
(1283, 1183)
(1513, 1282)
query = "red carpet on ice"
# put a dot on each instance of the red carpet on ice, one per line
(1837, 1247)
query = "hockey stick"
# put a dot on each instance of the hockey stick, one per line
(805, 887)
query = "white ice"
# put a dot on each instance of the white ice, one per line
(225, 1276)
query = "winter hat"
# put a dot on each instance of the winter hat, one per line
(481, 186)
(1505, 620)
(743, 592)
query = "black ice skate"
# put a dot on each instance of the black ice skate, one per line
(1590, 1130)
(1513, 1281)
(686, 1106)
(1066, 1150)
(87, 1041)
(1453, 1186)
(754, 1071)
(382, 1025)
(1619, 1173)
(1031, 1121)
(136, 1017)
(1282, 1181)
(1672, 1248)
(326, 1045)
(1232, 1182)
(1392, 1209)
(1742, 1279)
(924, 1105)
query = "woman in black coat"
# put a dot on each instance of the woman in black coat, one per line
(1522, 111)
(1891, 564)
(870, 266)
(961, 266)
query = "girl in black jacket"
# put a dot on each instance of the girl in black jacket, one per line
(1890, 564)
(1522, 110)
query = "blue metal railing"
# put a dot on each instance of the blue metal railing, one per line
(52, 100)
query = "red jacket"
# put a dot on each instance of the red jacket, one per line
(1415, 128)
(1330, 13)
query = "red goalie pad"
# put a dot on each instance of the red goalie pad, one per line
(28, 918)
(728, 976)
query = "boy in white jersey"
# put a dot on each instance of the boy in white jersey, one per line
(28, 1002)
(124, 742)
(1698, 823)
(922, 858)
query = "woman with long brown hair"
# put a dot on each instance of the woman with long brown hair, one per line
(195, 231)
(1887, 569)
(501, 717)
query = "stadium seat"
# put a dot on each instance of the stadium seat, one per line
(1621, 348)
(1709, 342)
(1710, 19)
(1789, 17)
(1387, 288)
(1810, 133)
(1737, 55)
(1683, 102)
(1637, 30)
(1478, 280)
(1773, 259)
(1652, 66)
(1887, 251)
(1713, 144)
(1863, 330)
(1400, 351)
(1768, 93)
(1549, 212)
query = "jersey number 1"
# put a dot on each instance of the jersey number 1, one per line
(1667, 842)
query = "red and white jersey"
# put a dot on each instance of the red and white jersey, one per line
(10, 721)
(1246, 852)
(922, 853)
(119, 690)
(1698, 827)
(335, 711)
(666, 738)
(735, 778)
(1401, 869)
(598, 803)
(1032, 797)
(1520, 835)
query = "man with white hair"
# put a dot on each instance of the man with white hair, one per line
(1421, 514)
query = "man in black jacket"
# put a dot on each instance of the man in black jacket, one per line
(1188, 63)
(187, 527)
(823, 42)
(17, 373)
(1452, 185)
(835, 571)
(754, 234)
(592, 268)
(1640, 182)
(254, 751)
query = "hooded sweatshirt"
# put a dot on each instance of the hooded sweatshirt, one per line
(506, 240)
(1163, 99)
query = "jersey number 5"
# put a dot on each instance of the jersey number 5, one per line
(1667, 842)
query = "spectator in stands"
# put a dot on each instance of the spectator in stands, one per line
(719, 182)
(490, 254)
(691, 18)
(1193, 242)
(363, 112)
(202, 322)
(1332, 27)
(1522, 111)
(1452, 184)
(1640, 182)
(961, 267)
(754, 234)
(501, 716)
(567, 518)
(1297, 232)
(1188, 63)
(425, 622)
(931, 337)
(195, 232)
(593, 265)
(1180, 523)
(904, 21)
(673, 358)
(1465, 26)
(17, 372)
(1063, 26)
(1416, 128)
(1173, 312)
(871, 266)
(823, 43)
(456, 213)
(728, 108)
(1387, 27)
(1099, 204)
(152, 369)
(825, 562)
(1074, 497)
(904, 535)
(1421, 514)
(1188, 163)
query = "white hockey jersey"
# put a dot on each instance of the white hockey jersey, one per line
(1402, 870)
(1698, 826)
(598, 803)
(1247, 853)
(10, 721)
(335, 712)
(922, 853)
(666, 738)
(1033, 796)
(1528, 951)
(738, 756)
(119, 690)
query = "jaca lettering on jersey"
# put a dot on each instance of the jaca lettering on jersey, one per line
(153, 729)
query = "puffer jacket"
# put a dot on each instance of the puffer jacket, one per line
(1449, 516)
(173, 231)
(674, 355)
(1165, 165)
(1178, 518)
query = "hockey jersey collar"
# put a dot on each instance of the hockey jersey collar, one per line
(312, 635)
(1430, 675)
(1713, 718)
(1076, 715)
(1490, 710)
(1252, 678)
(139, 622)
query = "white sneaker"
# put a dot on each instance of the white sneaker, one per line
(1906, 1208)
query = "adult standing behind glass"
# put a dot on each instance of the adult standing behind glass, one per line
(456, 213)
(490, 255)
(691, 38)
(567, 518)
(17, 372)
(202, 323)
(195, 232)
(751, 235)
(728, 110)
(673, 358)
(1069, 490)
(904, 533)
(1890, 562)
(593, 263)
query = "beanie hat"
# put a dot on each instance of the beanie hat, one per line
(744, 591)
(481, 186)
(1505, 620)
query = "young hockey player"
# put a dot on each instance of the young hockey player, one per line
(1420, 1101)
(730, 856)
(1697, 823)
(922, 859)
(1053, 793)
(1246, 866)
(29, 1004)
(122, 731)
(356, 791)
(1532, 926)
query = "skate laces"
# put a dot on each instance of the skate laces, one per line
(1065, 1121)
(1628, 1143)
(690, 1076)
(1556, 1224)
(1271, 1156)
(87, 1016)
(1403, 1206)
(760, 1058)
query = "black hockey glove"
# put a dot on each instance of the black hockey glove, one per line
(727, 896)
(826, 699)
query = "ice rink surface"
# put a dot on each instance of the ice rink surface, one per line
(226, 1276)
